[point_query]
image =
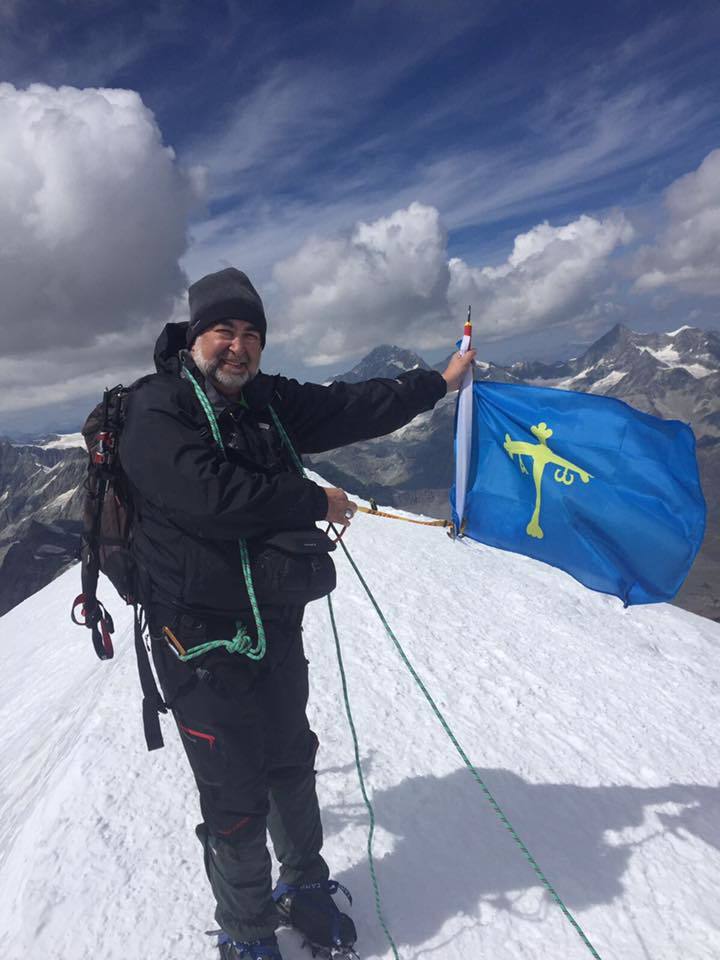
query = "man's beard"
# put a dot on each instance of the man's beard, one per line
(212, 370)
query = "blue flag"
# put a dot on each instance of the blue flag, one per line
(585, 483)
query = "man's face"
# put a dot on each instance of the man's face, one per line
(228, 353)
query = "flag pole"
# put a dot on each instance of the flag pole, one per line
(464, 430)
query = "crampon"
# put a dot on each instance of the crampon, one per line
(331, 953)
(310, 909)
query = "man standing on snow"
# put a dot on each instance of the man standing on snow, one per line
(223, 520)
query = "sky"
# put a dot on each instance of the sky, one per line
(373, 166)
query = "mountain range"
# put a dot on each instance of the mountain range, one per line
(674, 375)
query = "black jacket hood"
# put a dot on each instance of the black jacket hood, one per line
(168, 346)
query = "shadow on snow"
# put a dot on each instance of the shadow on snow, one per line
(451, 852)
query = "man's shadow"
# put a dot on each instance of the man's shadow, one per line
(451, 851)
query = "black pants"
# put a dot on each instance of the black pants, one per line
(251, 749)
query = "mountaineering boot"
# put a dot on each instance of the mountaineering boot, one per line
(265, 949)
(310, 909)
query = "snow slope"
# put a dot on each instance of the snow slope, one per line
(65, 441)
(595, 727)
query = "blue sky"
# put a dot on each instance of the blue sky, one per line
(449, 129)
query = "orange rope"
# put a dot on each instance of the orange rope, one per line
(394, 516)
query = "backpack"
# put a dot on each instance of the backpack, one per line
(107, 520)
(106, 546)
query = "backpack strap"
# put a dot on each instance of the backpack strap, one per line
(153, 704)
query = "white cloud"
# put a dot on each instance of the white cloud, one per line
(552, 275)
(386, 282)
(93, 218)
(391, 281)
(687, 254)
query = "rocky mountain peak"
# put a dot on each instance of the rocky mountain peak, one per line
(387, 360)
(700, 345)
(610, 346)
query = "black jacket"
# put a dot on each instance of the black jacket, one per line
(192, 504)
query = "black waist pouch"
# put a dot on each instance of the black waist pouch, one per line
(292, 567)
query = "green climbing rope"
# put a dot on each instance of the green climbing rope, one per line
(492, 801)
(241, 642)
(361, 778)
(288, 442)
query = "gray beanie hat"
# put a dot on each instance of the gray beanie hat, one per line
(225, 295)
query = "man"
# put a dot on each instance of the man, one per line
(219, 501)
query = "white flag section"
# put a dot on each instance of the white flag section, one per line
(463, 433)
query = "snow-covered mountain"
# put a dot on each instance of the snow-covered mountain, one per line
(668, 374)
(594, 727)
(40, 505)
(383, 361)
